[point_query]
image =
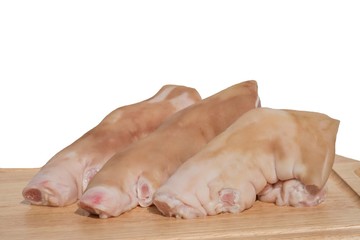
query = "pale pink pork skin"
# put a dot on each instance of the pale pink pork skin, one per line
(64, 177)
(131, 177)
(281, 156)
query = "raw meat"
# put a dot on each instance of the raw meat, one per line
(63, 178)
(284, 156)
(132, 176)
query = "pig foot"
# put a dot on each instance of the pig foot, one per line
(173, 207)
(106, 201)
(292, 193)
(83, 158)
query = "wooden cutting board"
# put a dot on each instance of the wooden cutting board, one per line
(337, 218)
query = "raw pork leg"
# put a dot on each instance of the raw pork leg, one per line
(261, 148)
(132, 176)
(63, 178)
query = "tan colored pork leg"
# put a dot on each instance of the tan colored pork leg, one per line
(263, 147)
(132, 176)
(63, 178)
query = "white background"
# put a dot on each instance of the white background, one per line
(64, 65)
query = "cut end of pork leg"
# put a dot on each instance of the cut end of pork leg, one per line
(145, 192)
(33, 195)
(50, 193)
(106, 202)
(173, 207)
(229, 201)
(41, 196)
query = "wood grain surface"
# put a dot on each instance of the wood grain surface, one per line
(337, 218)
